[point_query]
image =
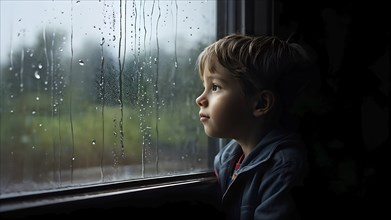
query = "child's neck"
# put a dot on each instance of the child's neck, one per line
(252, 139)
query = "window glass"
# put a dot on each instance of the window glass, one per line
(100, 91)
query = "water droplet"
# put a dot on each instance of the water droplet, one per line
(10, 68)
(33, 112)
(93, 141)
(81, 62)
(37, 98)
(40, 66)
(36, 75)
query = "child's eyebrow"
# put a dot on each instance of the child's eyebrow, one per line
(217, 76)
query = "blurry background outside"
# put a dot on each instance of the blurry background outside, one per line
(100, 91)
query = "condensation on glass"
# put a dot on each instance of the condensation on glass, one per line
(100, 91)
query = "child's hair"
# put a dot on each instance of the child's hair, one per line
(261, 62)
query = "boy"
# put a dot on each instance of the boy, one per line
(249, 86)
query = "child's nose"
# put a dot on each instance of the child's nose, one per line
(201, 101)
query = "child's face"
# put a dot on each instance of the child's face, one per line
(224, 110)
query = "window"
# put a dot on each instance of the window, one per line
(100, 91)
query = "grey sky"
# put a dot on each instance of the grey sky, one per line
(22, 21)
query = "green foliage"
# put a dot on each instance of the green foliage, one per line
(58, 113)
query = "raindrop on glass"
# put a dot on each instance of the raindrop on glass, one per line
(93, 141)
(36, 75)
(81, 62)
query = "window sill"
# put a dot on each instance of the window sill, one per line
(153, 192)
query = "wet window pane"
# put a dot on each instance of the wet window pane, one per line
(100, 91)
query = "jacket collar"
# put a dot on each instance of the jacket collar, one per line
(261, 152)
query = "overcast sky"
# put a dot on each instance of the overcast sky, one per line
(22, 21)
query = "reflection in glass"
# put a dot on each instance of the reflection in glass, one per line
(100, 91)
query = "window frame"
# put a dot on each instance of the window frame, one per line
(105, 195)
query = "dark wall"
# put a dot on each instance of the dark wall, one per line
(347, 124)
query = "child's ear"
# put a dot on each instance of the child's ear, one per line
(264, 103)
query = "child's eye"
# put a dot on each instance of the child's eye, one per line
(215, 87)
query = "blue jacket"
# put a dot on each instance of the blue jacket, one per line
(265, 180)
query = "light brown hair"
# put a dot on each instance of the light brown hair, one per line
(261, 62)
